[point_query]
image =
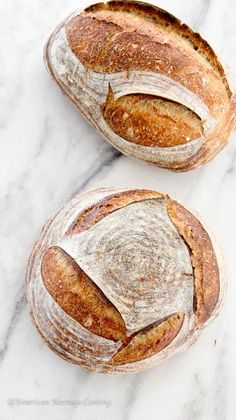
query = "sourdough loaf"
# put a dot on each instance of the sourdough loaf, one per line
(120, 280)
(150, 85)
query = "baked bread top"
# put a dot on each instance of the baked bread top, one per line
(121, 279)
(126, 36)
(150, 85)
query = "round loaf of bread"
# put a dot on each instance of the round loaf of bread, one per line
(120, 280)
(150, 85)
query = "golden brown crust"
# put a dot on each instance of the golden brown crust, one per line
(104, 344)
(151, 121)
(149, 342)
(166, 20)
(79, 297)
(112, 202)
(206, 274)
(140, 40)
(214, 143)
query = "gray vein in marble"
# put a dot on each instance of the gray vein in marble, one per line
(11, 267)
(202, 16)
(132, 395)
(14, 319)
(232, 166)
(44, 135)
(220, 384)
(196, 406)
(107, 164)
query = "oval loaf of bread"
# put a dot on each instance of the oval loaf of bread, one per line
(120, 280)
(150, 85)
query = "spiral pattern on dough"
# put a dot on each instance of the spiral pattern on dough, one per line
(137, 254)
(140, 262)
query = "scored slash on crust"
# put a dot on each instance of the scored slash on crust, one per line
(102, 47)
(75, 304)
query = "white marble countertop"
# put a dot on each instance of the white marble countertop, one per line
(48, 153)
